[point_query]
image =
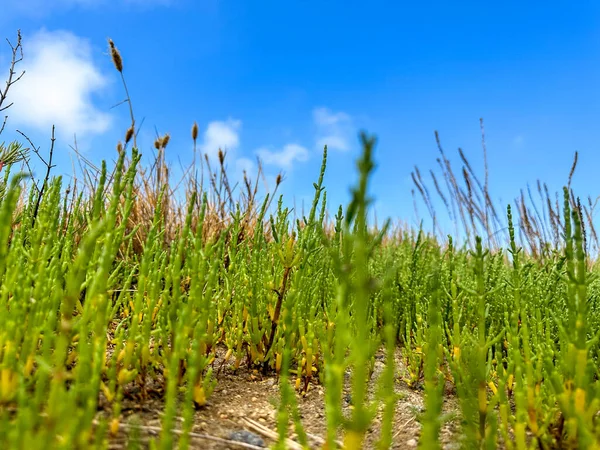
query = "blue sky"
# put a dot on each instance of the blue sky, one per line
(277, 79)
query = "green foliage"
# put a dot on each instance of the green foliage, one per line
(84, 317)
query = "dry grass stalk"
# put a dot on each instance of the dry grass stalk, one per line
(469, 205)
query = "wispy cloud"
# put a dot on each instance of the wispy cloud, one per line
(222, 135)
(285, 157)
(58, 87)
(225, 135)
(244, 167)
(334, 129)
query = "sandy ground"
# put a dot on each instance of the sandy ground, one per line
(243, 402)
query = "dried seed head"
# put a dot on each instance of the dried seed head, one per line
(116, 56)
(221, 157)
(165, 140)
(195, 131)
(278, 179)
(157, 143)
(129, 134)
(119, 147)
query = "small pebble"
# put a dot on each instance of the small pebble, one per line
(247, 437)
(223, 416)
(411, 443)
(452, 446)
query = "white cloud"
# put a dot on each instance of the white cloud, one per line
(333, 129)
(222, 135)
(285, 157)
(225, 135)
(245, 165)
(241, 166)
(57, 89)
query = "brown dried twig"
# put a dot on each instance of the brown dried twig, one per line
(16, 58)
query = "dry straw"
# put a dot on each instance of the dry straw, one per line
(116, 56)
